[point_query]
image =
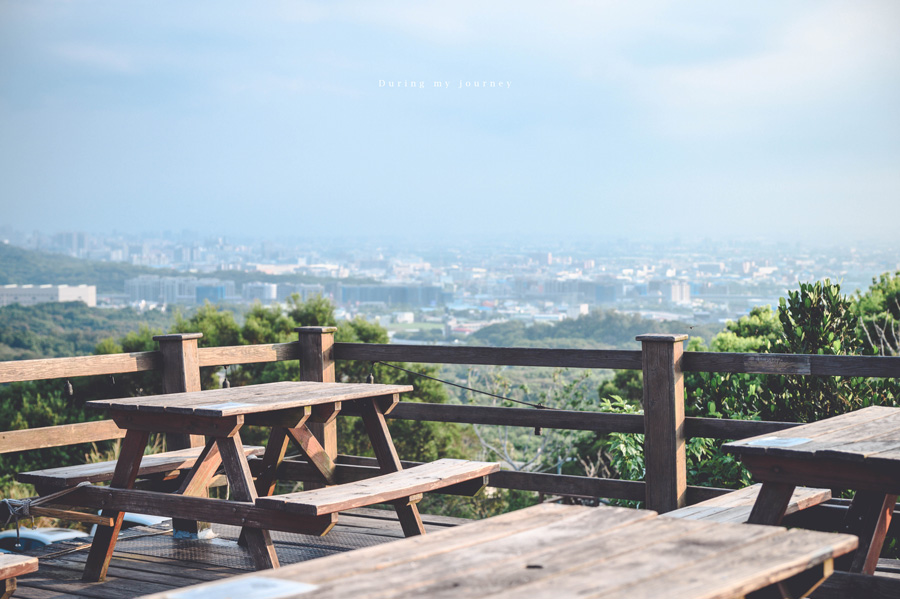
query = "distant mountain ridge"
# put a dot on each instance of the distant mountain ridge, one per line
(19, 266)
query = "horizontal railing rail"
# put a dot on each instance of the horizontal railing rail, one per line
(661, 359)
(776, 364)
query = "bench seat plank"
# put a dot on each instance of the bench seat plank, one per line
(12, 565)
(737, 505)
(380, 489)
(69, 476)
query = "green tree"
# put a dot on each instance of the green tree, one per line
(878, 310)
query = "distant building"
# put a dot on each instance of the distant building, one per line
(29, 295)
(405, 295)
(178, 290)
(264, 292)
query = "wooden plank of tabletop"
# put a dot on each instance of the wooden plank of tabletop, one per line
(516, 561)
(407, 552)
(251, 399)
(211, 395)
(741, 570)
(842, 441)
(651, 562)
(803, 434)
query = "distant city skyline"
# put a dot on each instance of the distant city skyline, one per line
(649, 121)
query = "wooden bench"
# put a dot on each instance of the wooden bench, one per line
(736, 506)
(409, 483)
(161, 463)
(12, 566)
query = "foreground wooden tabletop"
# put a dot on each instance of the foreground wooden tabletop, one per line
(559, 551)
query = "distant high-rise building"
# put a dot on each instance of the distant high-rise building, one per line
(29, 295)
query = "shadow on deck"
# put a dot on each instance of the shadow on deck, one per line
(149, 560)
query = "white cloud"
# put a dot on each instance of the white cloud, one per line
(827, 54)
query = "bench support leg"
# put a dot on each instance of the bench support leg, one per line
(389, 461)
(123, 478)
(9, 587)
(314, 451)
(771, 503)
(242, 489)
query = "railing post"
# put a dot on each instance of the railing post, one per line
(181, 373)
(665, 466)
(317, 364)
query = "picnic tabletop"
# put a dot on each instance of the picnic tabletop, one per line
(870, 435)
(234, 401)
(552, 550)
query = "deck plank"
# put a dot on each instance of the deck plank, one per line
(148, 559)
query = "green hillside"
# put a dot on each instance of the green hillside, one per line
(54, 330)
(601, 329)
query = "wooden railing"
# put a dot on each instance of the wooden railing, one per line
(663, 422)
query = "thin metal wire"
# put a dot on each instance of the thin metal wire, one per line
(539, 406)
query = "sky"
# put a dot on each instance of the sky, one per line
(642, 120)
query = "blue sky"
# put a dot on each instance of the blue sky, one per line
(621, 119)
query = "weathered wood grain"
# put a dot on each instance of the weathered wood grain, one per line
(596, 552)
(57, 368)
(500, 356)
(58, 436)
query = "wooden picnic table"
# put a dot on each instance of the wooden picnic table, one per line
(859, 450)
(552, 550)
(286, 407)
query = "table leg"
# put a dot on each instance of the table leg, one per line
(389, 461)
(196, 484)
(771, 503)
(127, 467)
(237, 470)
(868, 518)
(276, 448)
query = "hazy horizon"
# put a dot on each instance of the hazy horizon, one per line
(650, 122)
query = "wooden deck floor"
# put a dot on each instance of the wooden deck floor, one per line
(149, 560)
